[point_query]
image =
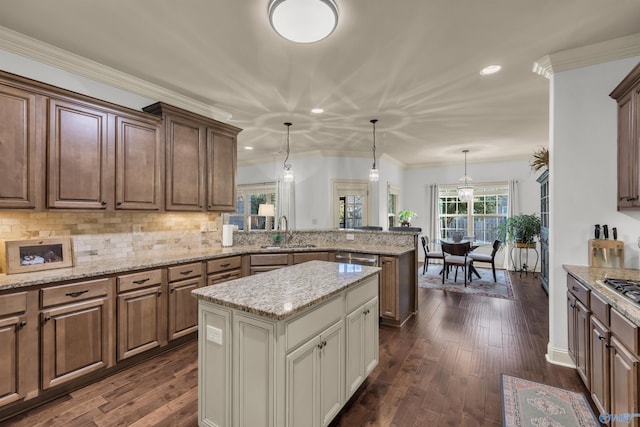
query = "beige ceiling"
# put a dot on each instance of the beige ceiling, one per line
(412, 64)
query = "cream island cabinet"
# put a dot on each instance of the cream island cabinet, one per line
(287, 347)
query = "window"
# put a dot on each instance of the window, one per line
(248, 199)
(350, 203)
(480, 217)
(393, 193)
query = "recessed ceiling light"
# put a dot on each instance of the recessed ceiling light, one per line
(491, 69)
(317, 110)
(248, 148)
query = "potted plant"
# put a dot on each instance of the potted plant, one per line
(404, 217)
(519, 229)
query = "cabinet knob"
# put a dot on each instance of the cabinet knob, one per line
(104, 203)
(159, 292)
(22, 324)
(46, 318)
(601, 338)
(119, 203)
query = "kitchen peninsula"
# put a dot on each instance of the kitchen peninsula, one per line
(286, 347)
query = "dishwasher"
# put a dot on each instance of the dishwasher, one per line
(357, 258)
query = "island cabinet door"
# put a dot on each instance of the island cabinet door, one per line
(599, 356)
(315, 379)
(389, 288)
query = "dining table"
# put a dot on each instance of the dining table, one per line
(474, 245)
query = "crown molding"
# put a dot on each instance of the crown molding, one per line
(20, 44)
(597, 53)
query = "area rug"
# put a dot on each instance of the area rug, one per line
(527, 403)
(484, 286)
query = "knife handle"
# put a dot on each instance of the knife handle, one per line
(605, 231)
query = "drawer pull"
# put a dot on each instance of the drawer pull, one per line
(226, 264)
(186, 272)
(225, 276)
(76, 293)
(601, 338)
(141, 281)
(575, 288)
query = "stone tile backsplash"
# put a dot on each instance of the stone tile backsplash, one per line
(109, 236)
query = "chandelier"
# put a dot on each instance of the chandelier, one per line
(465, 191)
(374, 176)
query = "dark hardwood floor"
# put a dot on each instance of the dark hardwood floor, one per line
(442, 368)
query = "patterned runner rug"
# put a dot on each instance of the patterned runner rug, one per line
(484, 286)
(527, 403)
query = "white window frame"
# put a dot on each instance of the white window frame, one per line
(480, 189)
(247, 190)
(349, 187)
(392, 190)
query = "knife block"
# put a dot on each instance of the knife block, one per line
(606, 253)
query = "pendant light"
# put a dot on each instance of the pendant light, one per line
(303, 21)
(288, 172)
(374, 176)
(465, 191)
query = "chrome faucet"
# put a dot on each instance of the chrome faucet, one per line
(287, 235)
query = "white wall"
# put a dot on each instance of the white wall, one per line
(583, 180)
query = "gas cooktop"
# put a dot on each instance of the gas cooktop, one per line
(626, 287)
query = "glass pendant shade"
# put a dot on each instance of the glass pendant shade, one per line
(465, 191)
(303, 21)
(374, 175)
(288, 172)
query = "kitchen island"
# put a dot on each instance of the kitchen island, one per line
(287, 347)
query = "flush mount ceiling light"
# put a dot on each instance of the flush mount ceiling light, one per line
(491, 69)
(303, 21)
(288, 172)
(465, 191)
(374, 175)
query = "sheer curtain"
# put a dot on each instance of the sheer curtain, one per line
(512, 209)
(286, 203)
(434, 211)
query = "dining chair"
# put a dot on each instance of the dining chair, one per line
(488, 258)
(457, 255)
(428, 254)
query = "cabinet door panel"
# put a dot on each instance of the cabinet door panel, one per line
(221, 172)
(332, 356)
(185, 166)
(371, 336)
(582, 341)
(138, 166)
(624, 383)
(388, 288)
(74, 341)
(355, 350)
(19, 158)
(599, 365)
(183, 308)
(302, 385)
(10, 360)
(78, 155)
(138, 322)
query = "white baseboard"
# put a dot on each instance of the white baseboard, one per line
(559, 356)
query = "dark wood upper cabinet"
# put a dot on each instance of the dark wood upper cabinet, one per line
(22, 129)
(627, 95)
(200, 160)
(139, 163)
(78, 156)
(221, 179)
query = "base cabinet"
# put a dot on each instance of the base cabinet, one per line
(289, 372)
(75, 330)
(579, 327)
(141, 315)
(624, 382)
(183, 308)
(398, 284)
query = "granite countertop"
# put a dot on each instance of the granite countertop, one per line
(163, 259)
(592, 278)
(281, 293)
